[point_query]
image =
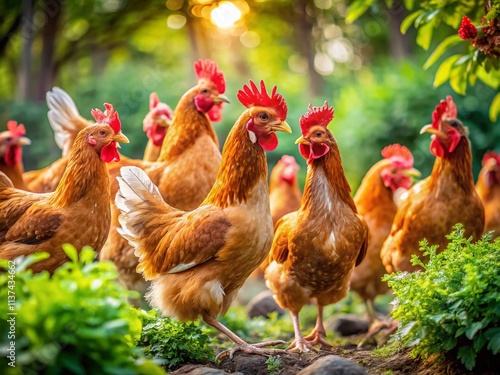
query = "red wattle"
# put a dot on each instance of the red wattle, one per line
(268, 142)
(110, 153)
(436, 147)
(157, 134)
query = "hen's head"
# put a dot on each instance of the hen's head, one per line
(210, 89)
(316, 139)
(104, 135)
(11, 142)
(399, 172)
(491, 168)
(157, 120)
(267, 114)
(446, 130)
(286, 169)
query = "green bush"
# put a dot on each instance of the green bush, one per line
(76, 321)
(173, 343)
(454, 303)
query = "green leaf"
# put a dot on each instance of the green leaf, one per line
(472, 330)
(493, 335)
(408, 21)
(458, 79)
(495, 108)
(442, 48)
(357, 9)
(467, 355)
(443, 72)
(71, 252)
(409, 4)
(424, 36)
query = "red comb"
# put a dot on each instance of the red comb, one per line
(154, 100)
(445, 109)
(208, 69)
(109, 116)
(16, 130)
(251, 97)
(491, 155)
(316, 116)
(397, 150)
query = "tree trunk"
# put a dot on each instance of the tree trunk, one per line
(399, 44)
(52, 9)
(303, 33)
(26, 40)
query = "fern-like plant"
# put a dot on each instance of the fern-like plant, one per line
(454, 303)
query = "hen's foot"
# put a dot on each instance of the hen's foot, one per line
(384, 327)
(301, 346)
(253, 349)
(318, 338)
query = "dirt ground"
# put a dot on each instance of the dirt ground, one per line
(397, 364)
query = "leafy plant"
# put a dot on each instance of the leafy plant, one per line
(76, 321)
(454, 303)
(273, 365)
(478, 56)
(171, 342)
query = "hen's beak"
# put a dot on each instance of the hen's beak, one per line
(220, 98)
(301, 139)
(430, 129)
(412, 173)
(22, 141)
(120, 137)
(282, 127)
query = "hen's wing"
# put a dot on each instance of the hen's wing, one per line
(13, 205)
(165, 239)
(279, 250)
(364, 245)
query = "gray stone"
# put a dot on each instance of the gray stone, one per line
(348, 325)
(197, 370)
(333, 365)
(263, 304)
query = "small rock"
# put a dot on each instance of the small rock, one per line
(333, 365)
(263, 304)
(200, 370)
(349, 325)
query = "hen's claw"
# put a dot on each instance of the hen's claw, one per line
(302, 346)
(253, 349)
(318, 338)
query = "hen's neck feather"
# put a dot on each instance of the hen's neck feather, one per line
(455, 166)
(85, 175)
(243, 165)
(15, 174)
(187, 125)
(372, 192)
(329, 166)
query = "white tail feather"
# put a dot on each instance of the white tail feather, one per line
(64, 118)
(135, 187)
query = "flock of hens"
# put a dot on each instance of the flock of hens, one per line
(187, 225)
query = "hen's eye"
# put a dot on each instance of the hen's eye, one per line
(319, 134)
(204, 91)
(8, 139)
(454, 124)
(102, 132)
(263, 116)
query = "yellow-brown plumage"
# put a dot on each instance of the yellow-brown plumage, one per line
(198, 260)
(316, 248)
(434, 205)
(77, 212)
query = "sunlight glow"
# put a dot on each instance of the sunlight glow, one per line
(225, 15)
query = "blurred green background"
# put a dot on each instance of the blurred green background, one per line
(119, 51)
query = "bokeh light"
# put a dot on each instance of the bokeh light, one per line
(225, 15)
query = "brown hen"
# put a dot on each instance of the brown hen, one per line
(434, 205)
(374, 200)
(488, 189)
(11, 160)
(316, 248)
(198, 260)
(77, 212)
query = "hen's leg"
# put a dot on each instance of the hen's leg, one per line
(299, 345)
(318, 334)
(242, 345)
(370, 308)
